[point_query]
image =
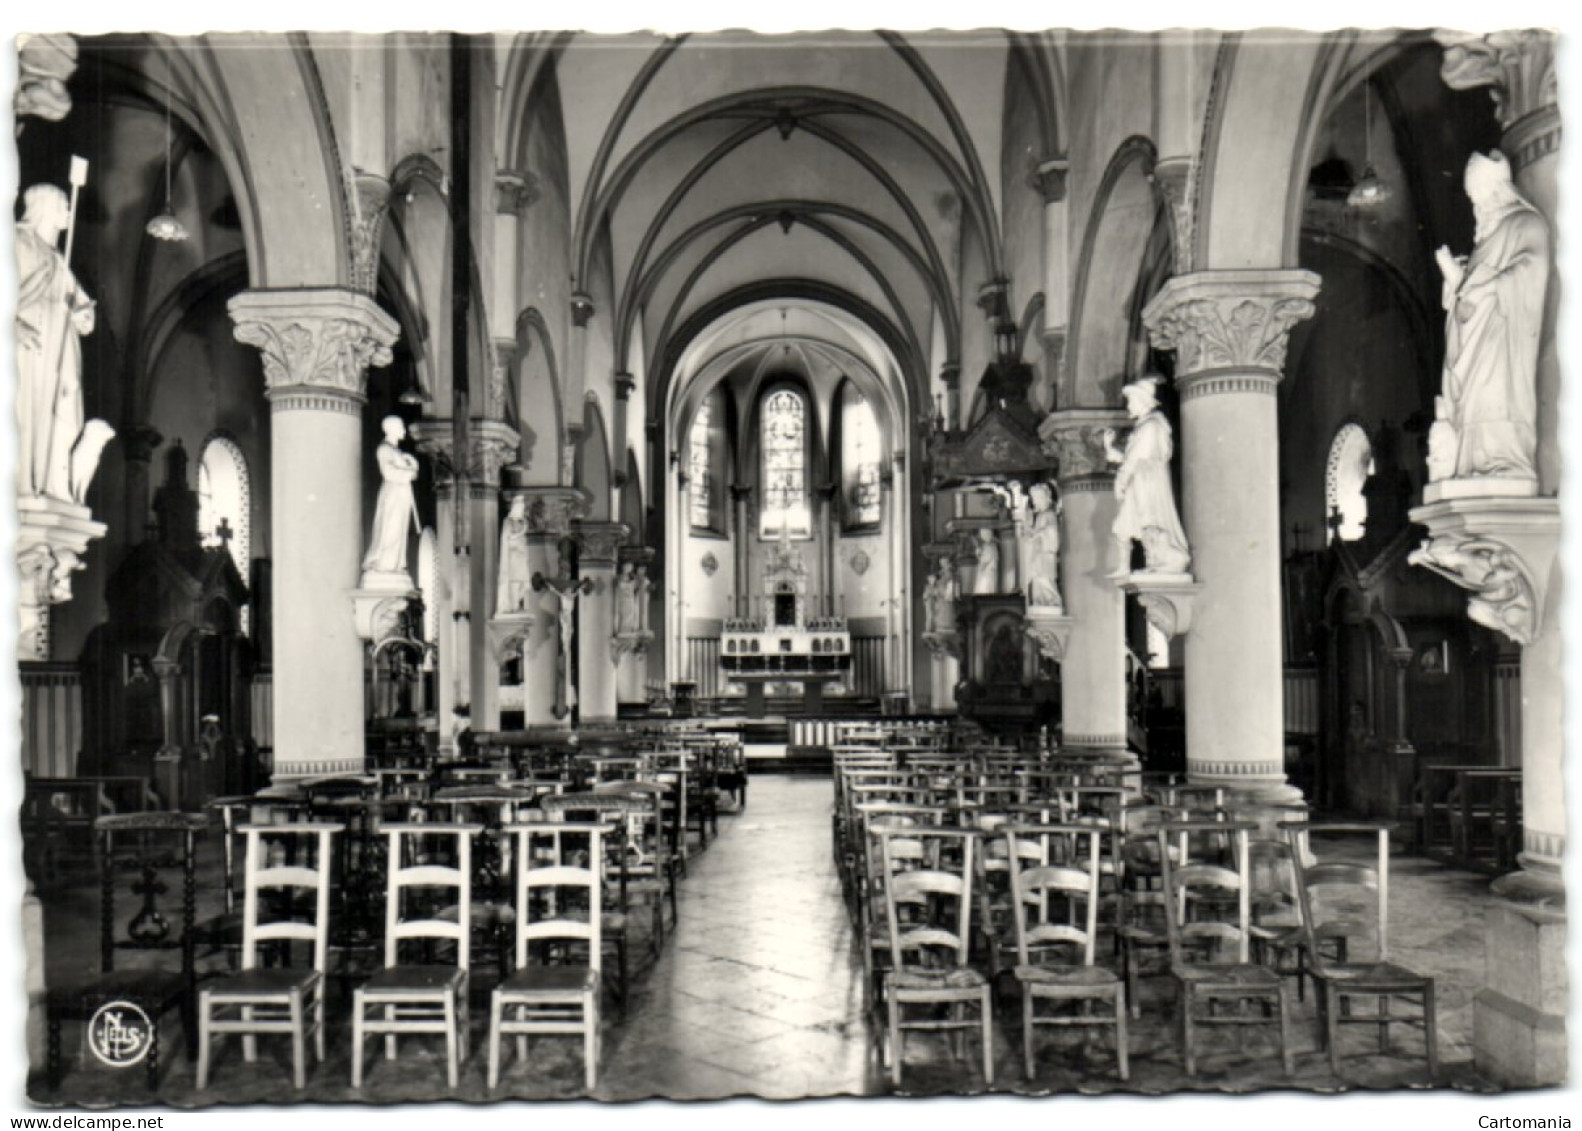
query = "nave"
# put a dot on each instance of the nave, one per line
(758, 992)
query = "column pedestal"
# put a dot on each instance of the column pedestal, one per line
(316, 347)
(1093, 674)
(1229, 332)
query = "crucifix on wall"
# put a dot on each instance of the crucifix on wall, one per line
(568, 588)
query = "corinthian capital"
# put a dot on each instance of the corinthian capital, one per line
(1518, 67)
(600, 542)
(1230, 320)
(314, 341)
(1075, 438)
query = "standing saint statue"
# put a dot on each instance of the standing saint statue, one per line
(516, 579)
(1494, 304)
(395, 508)
(641, 586)
(941, 597)
(627, 618)
(1042, 550)
(53, 314)
(987, 579)
(1142, 485)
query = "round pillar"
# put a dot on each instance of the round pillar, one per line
(597, 656)
(1229, 332)
(316, 346)
(1093, 672)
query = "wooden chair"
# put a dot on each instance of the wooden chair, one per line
(651, 863)
(930, 943)
(136, 848)
(1141, 929)
(1055, 906)
(559, 900)
(1350, 902)
(422, 997)
(284, 999)
(1203, 977)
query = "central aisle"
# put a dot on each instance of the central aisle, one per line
(759, 992)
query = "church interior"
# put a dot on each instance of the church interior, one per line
(788, 565)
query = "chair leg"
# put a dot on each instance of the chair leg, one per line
(52, 1062)
(318, 1023)
(452, 1060)
(1184, 1003)
(1384, 1023)
(1120, 1034)
(390, 1038)
(1027, 1031)
(495, 1009)
(1285, 1029)
(986, 1008)
(299, 1050)
(357, 1038)
(893, 1010)
(1332, 1003)
(590, 1040)
(249, 1041)
(204, 1038)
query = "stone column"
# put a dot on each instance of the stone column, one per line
(1093, 673)
(577, 354)
(550, 513)
(469, 674)
(1050, 178)
(316, 346)
(741, 544)
(1229, 330)
(597, 656)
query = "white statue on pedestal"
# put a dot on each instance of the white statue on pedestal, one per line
(516, 577)
(1142, 486)
(53, 314)
(987, 580)
(1041, 550)
(939, 597)
(628, 619)
(1494, 303)
(395, 508)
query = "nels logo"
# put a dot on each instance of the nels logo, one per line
(120, 1034)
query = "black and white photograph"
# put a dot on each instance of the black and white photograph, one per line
(614, 565)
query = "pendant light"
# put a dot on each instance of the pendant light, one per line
(1372, 190)
(165, 226)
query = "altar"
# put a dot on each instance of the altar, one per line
(761, 658)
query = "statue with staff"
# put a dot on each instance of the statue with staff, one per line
(59, 453)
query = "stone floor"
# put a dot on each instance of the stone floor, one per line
(758, 992)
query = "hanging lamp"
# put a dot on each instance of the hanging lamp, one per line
(1371, 190)
(165, 226)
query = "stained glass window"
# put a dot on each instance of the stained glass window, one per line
(700, 483)
(783, 433)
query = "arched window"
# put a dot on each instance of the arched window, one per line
(782, 430)
(1350, 464)
(859, 460)
(225, 513)
(700, 483)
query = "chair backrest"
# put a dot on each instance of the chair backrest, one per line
(1344, 898)
(1198, 892)
(292, 879)
(1054, 889)
(929, 871)
(429, 867)
(134, 849)
(559, 886)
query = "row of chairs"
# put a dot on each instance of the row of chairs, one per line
(312, 874)
(1166, 880)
